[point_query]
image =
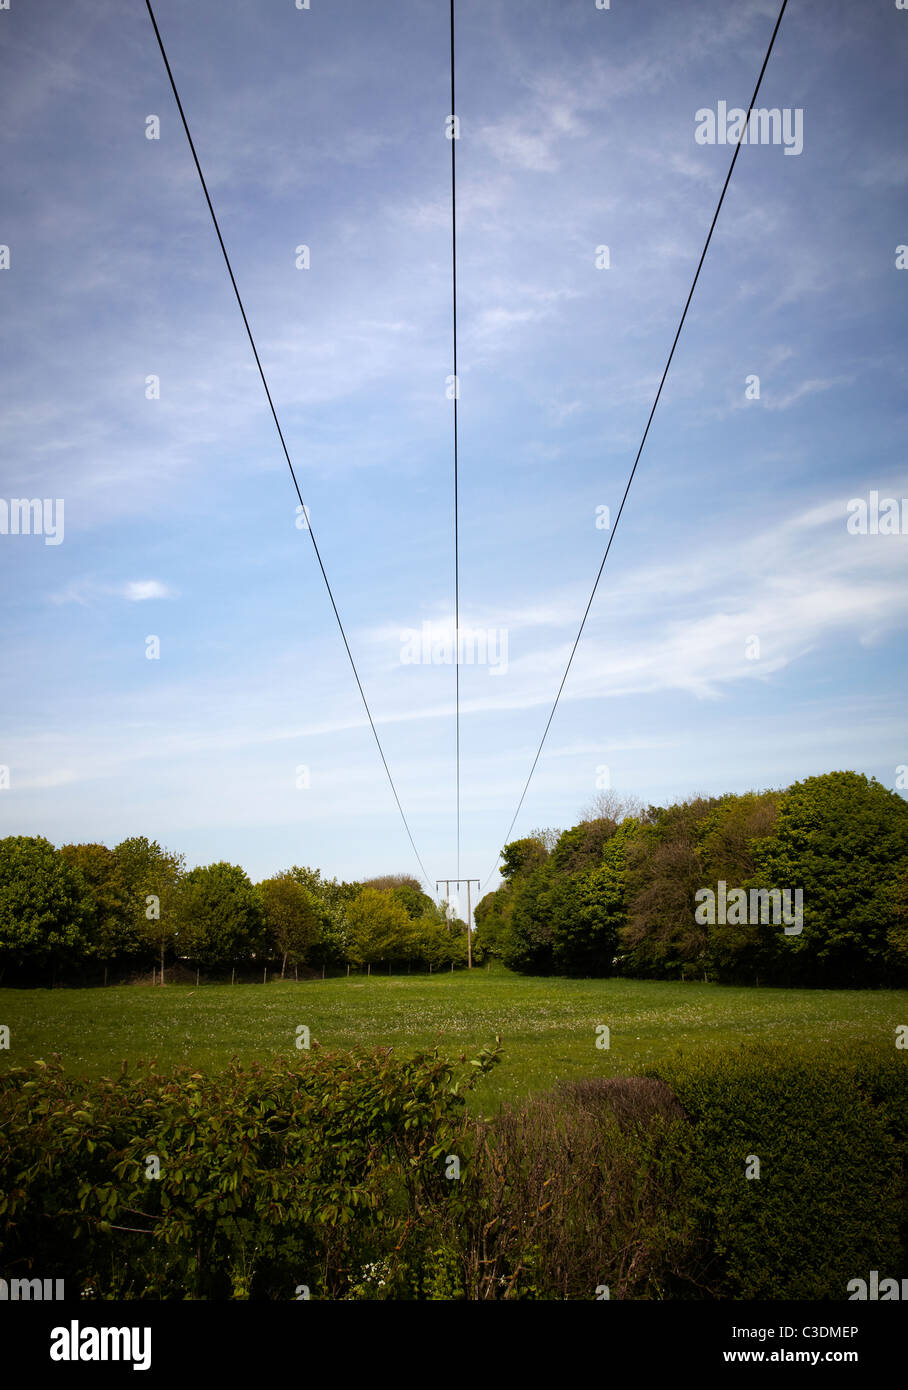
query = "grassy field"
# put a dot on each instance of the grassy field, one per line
(548, 1026)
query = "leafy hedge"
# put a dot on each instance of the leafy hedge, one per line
(831, 1134)
(270, 1178)
(335, 1173)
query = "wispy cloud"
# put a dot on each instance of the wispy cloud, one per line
(804, 388)
(87, 591)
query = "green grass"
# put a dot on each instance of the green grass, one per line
(548, 1026)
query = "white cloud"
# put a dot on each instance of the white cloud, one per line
(138, 590)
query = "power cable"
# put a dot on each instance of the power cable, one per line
(280, 432)
(454, 134)
(646, 431)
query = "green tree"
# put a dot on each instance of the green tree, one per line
(664, 872)
(152, 876)
(528, 946)
(523, 862)
(520, 856)
(842, 838)
(385, 883)
(44, 913)
(330, 948)
(492, 917)
(897, 931)
(112, 928)
(379, 927)
(434, 941)
(413, 899)
(218, 916)
(589, 908)
(292, 918)
(581, 847)
(727, 851)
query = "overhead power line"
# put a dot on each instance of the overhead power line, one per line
(454, 133)
(280, 432)
(627, 489)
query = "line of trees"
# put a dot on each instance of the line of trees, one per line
(616, 894)
(619, 892)
(76, 912)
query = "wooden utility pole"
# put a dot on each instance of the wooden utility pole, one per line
(457, 882)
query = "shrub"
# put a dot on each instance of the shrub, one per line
(829, 1131)
(581, 1187)
(270, 1177)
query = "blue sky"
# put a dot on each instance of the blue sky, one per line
(326, 127)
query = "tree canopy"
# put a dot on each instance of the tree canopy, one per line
(612, 896)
